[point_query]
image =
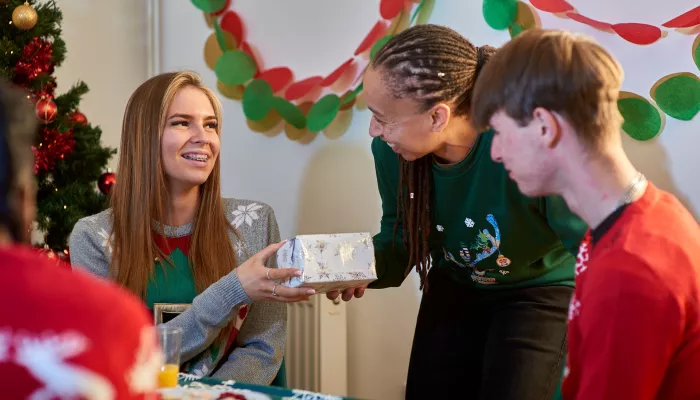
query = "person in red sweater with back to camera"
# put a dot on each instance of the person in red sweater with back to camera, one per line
(63, 334)
(634, 323)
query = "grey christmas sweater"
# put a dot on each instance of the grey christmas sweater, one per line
(259, 344)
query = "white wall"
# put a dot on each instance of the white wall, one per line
(329, 185)
(107, 49)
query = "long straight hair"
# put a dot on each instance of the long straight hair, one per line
(140, 194)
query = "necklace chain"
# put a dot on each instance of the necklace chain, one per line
(638, 183)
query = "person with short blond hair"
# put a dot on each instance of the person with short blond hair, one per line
(634, 319)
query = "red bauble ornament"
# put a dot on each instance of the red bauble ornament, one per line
(106, 182)
(46, 110)
(78, 118)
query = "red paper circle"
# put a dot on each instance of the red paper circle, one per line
(377, 32)
(552, 6)
(232, 24)
(330, 79)
(638, 33)
(686, 20)
(388, 9)
(278, 78)
(300, 89)
(589, 21)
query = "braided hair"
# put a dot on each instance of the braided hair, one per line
(429, 64)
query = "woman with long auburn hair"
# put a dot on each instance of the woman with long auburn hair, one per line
(170, 237)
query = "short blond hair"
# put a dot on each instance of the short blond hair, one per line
(556, 70)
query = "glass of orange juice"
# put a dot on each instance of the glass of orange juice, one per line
(170, 342)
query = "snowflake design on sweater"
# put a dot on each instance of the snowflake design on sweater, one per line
(582, 258)
(106, 240)
(469, 223)
(574, 307)
(247, 214)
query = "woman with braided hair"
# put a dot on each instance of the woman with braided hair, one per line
(492, 321)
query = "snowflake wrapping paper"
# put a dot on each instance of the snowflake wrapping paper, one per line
(329, 262)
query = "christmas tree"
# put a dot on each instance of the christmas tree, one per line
(70, 161)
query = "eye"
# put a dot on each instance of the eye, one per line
(180, 123)
(379, 121)
(212, 125)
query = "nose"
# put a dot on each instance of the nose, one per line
(199, 134)
(375, 130)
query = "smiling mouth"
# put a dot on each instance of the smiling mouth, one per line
(196, 157)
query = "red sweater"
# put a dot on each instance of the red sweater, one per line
(64, 334)
(634, 320)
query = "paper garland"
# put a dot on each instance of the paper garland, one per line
(676, 95)
(637, 33)
(274, 90)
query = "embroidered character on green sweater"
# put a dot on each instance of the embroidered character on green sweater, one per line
(484, 246)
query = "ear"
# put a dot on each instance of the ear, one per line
(550, 129)
(440, 114)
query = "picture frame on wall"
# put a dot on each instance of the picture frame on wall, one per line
(165, 312)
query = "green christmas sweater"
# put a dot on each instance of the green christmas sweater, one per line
(485, 232)
(174, 284)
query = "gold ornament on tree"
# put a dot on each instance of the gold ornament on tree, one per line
(24, 16)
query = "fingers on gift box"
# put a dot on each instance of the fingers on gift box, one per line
(329, 262)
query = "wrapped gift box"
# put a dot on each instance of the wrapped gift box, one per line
(329, 262)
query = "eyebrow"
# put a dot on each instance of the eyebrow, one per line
(187, 116)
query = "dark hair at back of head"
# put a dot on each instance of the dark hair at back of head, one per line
(17, 129)
(429, 64)
(6, 219)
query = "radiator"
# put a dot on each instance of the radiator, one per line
(316, 352)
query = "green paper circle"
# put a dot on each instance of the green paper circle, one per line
(515, 30)
(696, 55)
(323, 113)
(499, 14)
(352, 95)
(642, 119)
(257, 100)
(679, 97)
(235, 67)
(291, 113)
(378, 45)
(209, 6)
(219, 35)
